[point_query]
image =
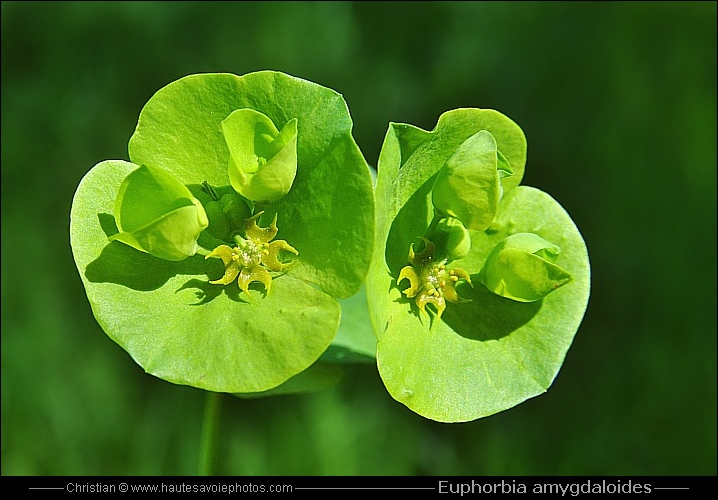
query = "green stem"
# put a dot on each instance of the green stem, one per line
(258, 207)
(434, 222)
(209, 190)
(210, 434)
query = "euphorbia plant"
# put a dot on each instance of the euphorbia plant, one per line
(260, 172)
(224, 254)
(480, 318)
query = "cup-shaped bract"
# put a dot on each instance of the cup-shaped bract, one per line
(523, 267)
(157, 214)
(262, 159)
(468, 186)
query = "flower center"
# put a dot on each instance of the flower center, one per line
(434, 276)
(430, 282)
(247, 253)
(253, 257)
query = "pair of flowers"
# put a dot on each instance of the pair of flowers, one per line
(212, 174)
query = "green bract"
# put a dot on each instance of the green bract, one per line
(157, 214)
(522, 268)
(223, 337)
(486, 353)
(262, 160)
(468, 186)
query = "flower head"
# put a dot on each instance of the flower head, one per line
(468, 185)
(431, 282)
(158, 215)
(253, 256)
(262, 160)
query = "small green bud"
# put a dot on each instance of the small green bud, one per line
(522, 268)
(219, 226)
(235, 209)
(262, 160)
(157, 214)
(468, 186)
(452, 239)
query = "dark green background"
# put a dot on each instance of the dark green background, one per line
(618, 103)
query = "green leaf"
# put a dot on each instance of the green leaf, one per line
(490, 353)
(328, 215)
(467, 187)
(262, 160)
(355, 341)
(522, 268)
(157, 214)
(167, 315)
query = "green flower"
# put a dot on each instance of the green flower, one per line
(468, 185)
(262, 159)
(431, 282)
(523, 267)
(253, 257)
(157, 214)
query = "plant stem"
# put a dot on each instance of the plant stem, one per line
(434, 222)
(210, 434)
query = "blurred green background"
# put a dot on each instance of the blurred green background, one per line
(618, 103)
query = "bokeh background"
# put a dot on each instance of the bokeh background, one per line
(618, 103)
